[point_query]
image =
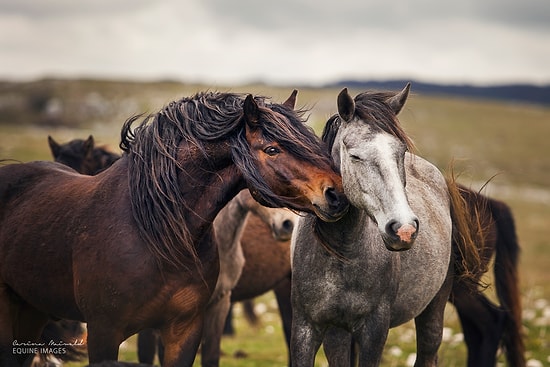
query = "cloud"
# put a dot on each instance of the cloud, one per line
(285, 41)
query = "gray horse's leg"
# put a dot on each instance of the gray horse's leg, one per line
(371, 338)
(305, 341)
(337, 346)
(429, 326)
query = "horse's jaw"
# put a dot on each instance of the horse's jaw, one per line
(334, 210)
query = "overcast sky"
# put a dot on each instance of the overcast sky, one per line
(222, 42)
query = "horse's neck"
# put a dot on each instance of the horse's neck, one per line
(208, 187)
(343, 235)
(229, 225)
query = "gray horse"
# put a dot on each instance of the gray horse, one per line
(345, 282)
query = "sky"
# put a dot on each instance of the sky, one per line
(281, 42)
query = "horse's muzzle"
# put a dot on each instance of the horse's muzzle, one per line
(400, 237)
(335, 206)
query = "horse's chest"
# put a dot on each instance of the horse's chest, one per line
(346, 294)
(423, 271)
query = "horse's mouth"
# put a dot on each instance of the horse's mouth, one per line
(397, 245)
(331, 216)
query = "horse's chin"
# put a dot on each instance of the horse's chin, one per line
(397, 246)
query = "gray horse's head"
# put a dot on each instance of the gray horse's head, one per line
(370, 149)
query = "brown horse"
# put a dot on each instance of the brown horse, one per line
(266, 243)
(152, 262)
(82, 155)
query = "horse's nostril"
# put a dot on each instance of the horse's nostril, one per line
(392, 227)
(288, 225)
(416, 224)
(332, 197)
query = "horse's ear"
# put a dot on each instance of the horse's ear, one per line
(88, 145)
(398, 101)
(291, 101)
(251, 111)
(54, 147)
(346, 105)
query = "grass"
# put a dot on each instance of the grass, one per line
(482, 138)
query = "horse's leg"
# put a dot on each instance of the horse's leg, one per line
(482, 324)
(429, 325)
(371, 337)
(215, 316)
(7, 308)
(181, 339)
(282, 293)
(228, 328)
(337, 346)
(305, 341)
(18, 321)
(146, 346)
(103, 341)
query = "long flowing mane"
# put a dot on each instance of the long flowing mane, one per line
(372, 108)
(157, 203)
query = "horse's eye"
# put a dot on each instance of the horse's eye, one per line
(271, 150)
(355, 158)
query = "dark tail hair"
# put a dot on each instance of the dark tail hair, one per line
(507, 281)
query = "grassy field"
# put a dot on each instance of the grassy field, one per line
(482, 138)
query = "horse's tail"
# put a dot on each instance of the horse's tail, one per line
(506, 281)
(468, 236)
(63, 340)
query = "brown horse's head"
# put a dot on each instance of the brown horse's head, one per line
(291, 161)
(82, 155)
(74, 154)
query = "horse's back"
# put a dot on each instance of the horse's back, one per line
(19, 172)
(50, 215)
(424, 267)
(15, 179)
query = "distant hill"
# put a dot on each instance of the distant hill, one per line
(513, 92)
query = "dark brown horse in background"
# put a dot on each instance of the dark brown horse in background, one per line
(487, 326)
(82, 155)
(153, 261)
